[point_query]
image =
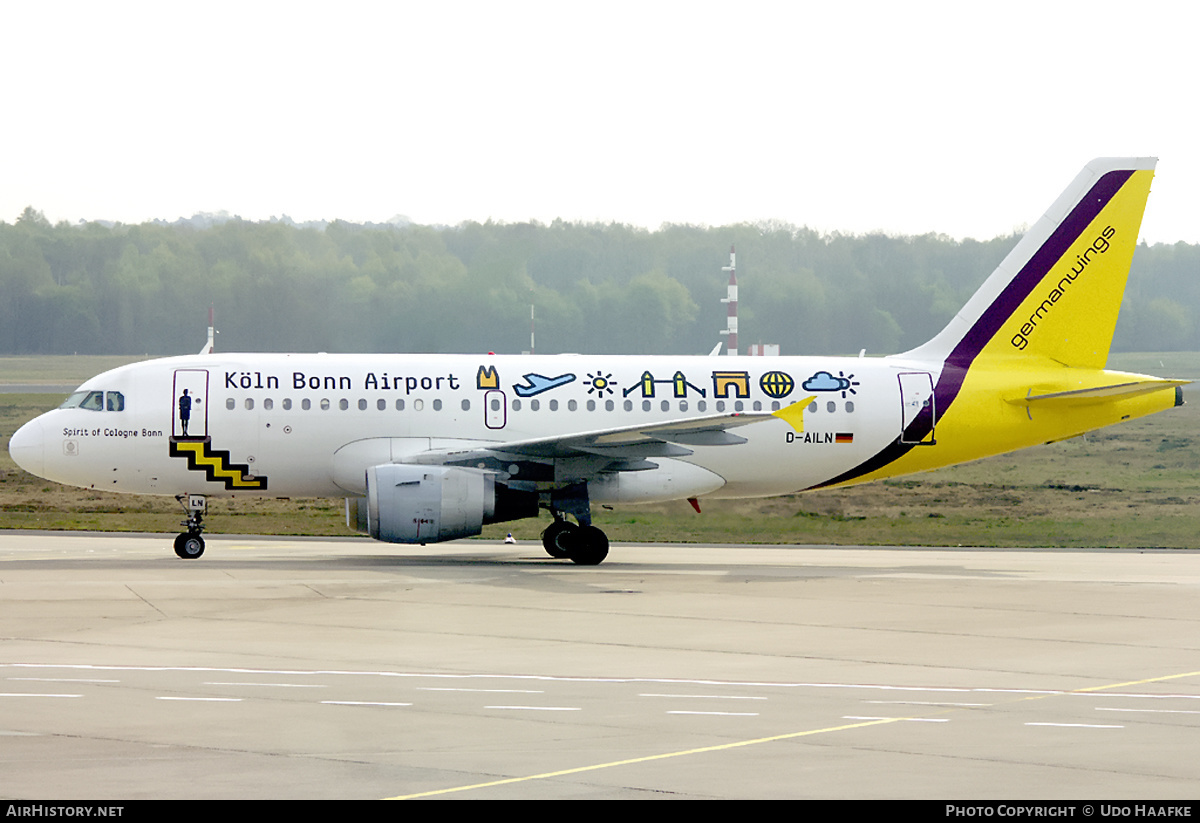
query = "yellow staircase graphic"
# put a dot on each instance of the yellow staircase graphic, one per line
(215, 463)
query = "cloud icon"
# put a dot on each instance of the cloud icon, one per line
(824, 381)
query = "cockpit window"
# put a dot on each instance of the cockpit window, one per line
(94, 401)
(75, 400)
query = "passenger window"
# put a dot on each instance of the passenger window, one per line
(683, 405)
(534, 405)
(628, 405)
(249, 403)
(850, 406)
(720, 405)
(812, 407)
(362, 405)
(701, 405)
(591, 405)
(399, 405)
(287, 404)
(230, 403)
(516, 405)
(325, 404)
(343, 404)
(381, 404)
(268, 404)
(572, 405)
(306, 404)
(609, 405)
(645, 405)
(418, 405)
(831, 406)
(437, 405)
(466, 405)
(553, 405)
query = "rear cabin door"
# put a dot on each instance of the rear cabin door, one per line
(918, 415)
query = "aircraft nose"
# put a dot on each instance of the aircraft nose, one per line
(27, 447)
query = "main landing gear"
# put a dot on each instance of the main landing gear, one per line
(585, 545)
(189, 544)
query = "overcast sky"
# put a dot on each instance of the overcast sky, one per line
(966, 119)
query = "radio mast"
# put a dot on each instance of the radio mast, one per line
(731, 321)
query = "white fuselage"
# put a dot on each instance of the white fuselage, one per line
(311, 424)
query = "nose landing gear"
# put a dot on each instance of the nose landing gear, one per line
(189, 544)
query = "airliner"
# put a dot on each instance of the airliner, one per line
(428, 448)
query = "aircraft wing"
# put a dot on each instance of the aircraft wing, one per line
(562, 458)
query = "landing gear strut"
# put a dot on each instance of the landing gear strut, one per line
(189, 544)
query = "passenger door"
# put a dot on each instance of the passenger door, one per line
(195, 383)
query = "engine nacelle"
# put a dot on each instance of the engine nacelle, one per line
(428, 504)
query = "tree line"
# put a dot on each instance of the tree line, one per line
(596, 288)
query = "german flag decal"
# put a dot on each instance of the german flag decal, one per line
(844, 437)
(215, 463)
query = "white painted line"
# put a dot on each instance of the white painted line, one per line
(359, 703)
(1149, 711)
(269, 685)
(928, 703)
(63, 679)
(36, 694)
(539, 708)
(205, 699)
(707, 696)
(719, 714)
(1076, 725)
(905, 719)
(1138, 695)
(489, 691)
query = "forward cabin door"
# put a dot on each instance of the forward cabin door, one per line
(195, 383)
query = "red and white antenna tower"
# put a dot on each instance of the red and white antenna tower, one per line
(731, 322)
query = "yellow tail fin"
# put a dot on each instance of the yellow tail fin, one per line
(1057, 294)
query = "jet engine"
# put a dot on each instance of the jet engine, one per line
(428, 504)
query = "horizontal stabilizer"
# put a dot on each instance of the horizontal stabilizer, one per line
(1100, 393)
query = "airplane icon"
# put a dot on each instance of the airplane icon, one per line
(536, 384)
(423, 454)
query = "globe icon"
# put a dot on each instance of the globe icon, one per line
(777, 384)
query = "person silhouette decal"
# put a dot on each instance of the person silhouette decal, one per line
(185, 411)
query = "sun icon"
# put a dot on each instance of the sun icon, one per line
(599, 383)
(848, 383)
